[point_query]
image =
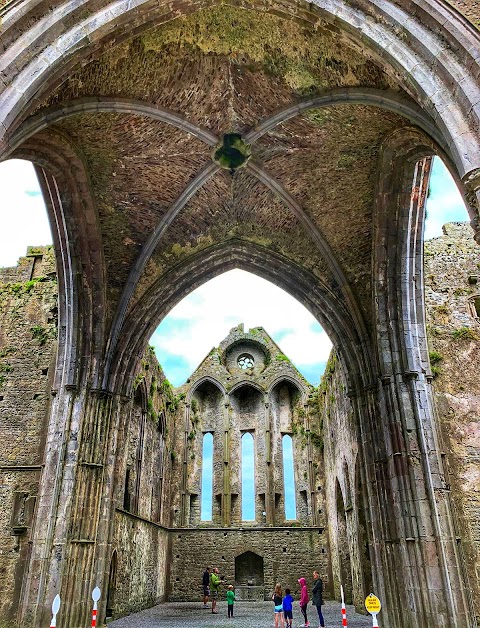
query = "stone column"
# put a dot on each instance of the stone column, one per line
(269, 492)
(72, 522)
(372, 450)
(310, 470)
(226, 495)
(184, 500)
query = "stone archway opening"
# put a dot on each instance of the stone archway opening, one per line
(343, 575)
(112, 586)
(249, 576)
(285, 214)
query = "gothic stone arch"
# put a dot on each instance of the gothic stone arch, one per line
(131, 245)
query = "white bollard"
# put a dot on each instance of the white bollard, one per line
(95, 597)
(55, 609)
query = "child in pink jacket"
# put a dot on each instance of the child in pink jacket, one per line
(304, 599)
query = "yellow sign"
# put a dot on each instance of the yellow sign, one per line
(372, 604)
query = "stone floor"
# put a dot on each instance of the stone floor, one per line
(247, 614)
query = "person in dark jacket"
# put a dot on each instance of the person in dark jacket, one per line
(317, 596)
(206, 586)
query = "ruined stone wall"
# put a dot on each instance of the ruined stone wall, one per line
(140, 546)
(28, 329)
(142, 555)
(350, 562)
(452, 283)
(288, 554)
(268, 399)
(452, 287)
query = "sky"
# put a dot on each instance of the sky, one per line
(204, 317)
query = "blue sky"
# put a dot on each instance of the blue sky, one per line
(248, 478)
(204, 318)
(207, 478)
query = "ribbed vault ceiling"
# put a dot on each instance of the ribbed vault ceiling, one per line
(226, 69)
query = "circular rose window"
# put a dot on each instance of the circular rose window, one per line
(245, 361)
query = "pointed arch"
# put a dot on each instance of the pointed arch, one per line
(302, 285)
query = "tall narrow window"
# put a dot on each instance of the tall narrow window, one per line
(289, 478)
(207, 477)
(248, 478)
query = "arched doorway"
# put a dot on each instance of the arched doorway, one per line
(249, 576)
(112, 585)
(343, 575)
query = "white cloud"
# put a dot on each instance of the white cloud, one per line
(23, 216)
(204, 318)
(306, 346)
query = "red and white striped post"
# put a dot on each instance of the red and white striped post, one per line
(55, 609)
(374, 621)
(344, 610)
(95, 597)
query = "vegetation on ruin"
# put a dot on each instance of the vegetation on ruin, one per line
(232, 153)
(42, 334)
(435, 359)
(6, 351)
(465, 333)
(441, 309)
(306, 60)
(4, 370)
(24, 287)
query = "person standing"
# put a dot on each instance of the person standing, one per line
(288, 608)
(206, 586)
(304, 600)
(230, 600)
(215, 582)
(317, 597)
(278, 606)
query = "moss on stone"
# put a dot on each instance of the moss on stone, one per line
(41, 334)
(435, 359)
(306, 59)
(465, 333)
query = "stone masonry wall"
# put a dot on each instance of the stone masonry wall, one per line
(349, 561)
(288, 554)
(140, 545)
(28, 328)
(268, 399)
(142, 555)
(452, 285)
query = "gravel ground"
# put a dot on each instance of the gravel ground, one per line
(247, 615)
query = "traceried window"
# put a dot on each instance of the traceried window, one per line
(289, 478)
(248, 478)
(207, 478)
(245, 361)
